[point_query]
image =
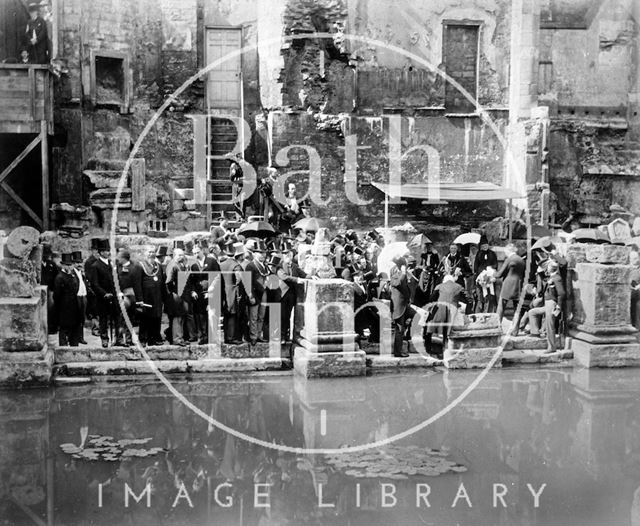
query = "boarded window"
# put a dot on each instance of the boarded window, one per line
(461, 64)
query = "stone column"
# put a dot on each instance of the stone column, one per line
(601, 326)
(327, 346)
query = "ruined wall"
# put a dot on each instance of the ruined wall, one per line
(586, 70)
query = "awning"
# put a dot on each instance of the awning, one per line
(445, 192)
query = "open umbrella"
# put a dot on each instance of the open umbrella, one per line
(260, 229)
(472, 238)
(542, 243)
(419, 240)
(310, 224)
(388, 253)
(590, 235)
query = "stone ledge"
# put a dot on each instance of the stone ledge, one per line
(26, 373)
(125, 367)
(328, 364)
(471, 358)
(390, 362)
(526, 357)
(612, 355)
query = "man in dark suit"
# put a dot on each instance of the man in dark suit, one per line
(92, 308)
(554, 301)
(444, 299)
(400, 297)
(148, 284)
(105, 291)
(47, 277)
(36, 38)
(198, 285)
(66, 299)
(234, 293)
(177, 306)
(257, 306)
(456, 264)
(512, 273)
(84, 289)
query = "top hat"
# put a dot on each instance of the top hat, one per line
(46, 249)
(204, 244)
(103, 245)
(483, 240)
(369, 275)
(238, 249)
(77, 256)
(95, 241)
(275, 260)
(67, 258)
(260, 246)
(373, 234)
(359, 251)
(178, 243)
(161, 251)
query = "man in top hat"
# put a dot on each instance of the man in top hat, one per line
(220, 233)
(150, 294)
(365, 317)
(66, 299)
(257, 293)
(127, 282)
(275, 287)
(400, 297)
(234, 295)
(104, 288)
(177, 304)
(83, 291)
(161, 256)
(47, 277)
(198, 286)
(486, 300)
(36, 38)
(92, 311)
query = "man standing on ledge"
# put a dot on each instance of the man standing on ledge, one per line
(512, 272)
(105, 291)
(400, 294)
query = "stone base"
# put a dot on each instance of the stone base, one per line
(23, 322)
(335, 338)
(25, 369)
(308, 364)
(604, 338)
(475, 339)
(588, 354)
(471, 358)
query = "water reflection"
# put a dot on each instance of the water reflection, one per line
(569, 438)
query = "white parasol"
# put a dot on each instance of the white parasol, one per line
(388, 253)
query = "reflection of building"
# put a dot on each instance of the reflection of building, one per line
(524, 63)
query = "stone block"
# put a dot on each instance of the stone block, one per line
(608, 254)
(260, 350)
(17, 370)
(475, 339)
(328, 307)
(602, 294)
(477, 358)
(18, 278)
(307, 364)
(636, 226)
(23, 322)
(576, 253)
(588, 354)
(619, 231)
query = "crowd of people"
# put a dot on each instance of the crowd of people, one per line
(251, 275)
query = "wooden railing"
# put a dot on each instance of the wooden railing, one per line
(26, 98)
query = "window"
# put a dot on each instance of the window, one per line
(460, 57)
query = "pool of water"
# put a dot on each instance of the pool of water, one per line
(525, 447)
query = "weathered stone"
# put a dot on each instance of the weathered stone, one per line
(602, 294)
(608, 254)
(23, 322)
(18, 278)
(481, 322)
(477, 358)
(413, 361)
(613, 355)
(576, 253)
(619, 231)
(475, 339)
(21, 241)
(20, 371)
(260, 350)
(636, 226)
(328, 364)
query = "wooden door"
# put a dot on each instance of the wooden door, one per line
(224, 80)
(461, 64)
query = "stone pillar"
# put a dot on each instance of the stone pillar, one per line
(601, 326)
(327, 346)
(24, 356)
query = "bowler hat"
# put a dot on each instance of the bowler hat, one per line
(103, 245)
(161, 251)
(67, 258)
(77, 256)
